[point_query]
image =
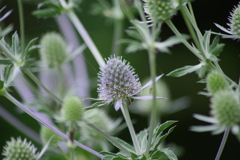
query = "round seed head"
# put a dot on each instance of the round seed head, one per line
(47, 133)
(72, 109)
(235, 21)
(53, 50)
(216, 82)
(161, 10)
(225, 108)
(117, 80)
(19, 150)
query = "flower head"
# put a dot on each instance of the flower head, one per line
(234, 24)
(119, 83)
(19, 150)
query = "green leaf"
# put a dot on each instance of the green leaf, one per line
(109, 157)
(107, 153)
(203, 71)
(45, 13)
(158, 140)
(124, 144)
(158, 154)
(185, 70)
(48, 4)
(134, 34)
(134, 47)
(6, 30)
(161, 127)
(15, 43)
(206, 40)
(95, 105)
(7, 72)
(5, 62)
(169, 154)
(142, 139)
(30, 47)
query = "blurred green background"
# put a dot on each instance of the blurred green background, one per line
(197, 146)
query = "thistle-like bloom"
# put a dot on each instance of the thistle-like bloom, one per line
(119, 83)
(19, 150)
(234, 24)
(225, 111)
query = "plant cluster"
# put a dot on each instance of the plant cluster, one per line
(75, 126)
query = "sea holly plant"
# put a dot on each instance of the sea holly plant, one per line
(74, 128)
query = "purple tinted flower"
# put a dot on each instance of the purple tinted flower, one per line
(119, 83)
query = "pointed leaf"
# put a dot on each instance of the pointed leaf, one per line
(205, 128)
(150, 82)
(45, 13)
(15, 43)
(108, 157)
(170, 154)
(205, 118)
(161, 127)
(29, 47)
(1, 84)
(158, 155)
(5, 15)
(184, 70)
(94, 105)
(107, 153)
(5, 62)
(222, 28)
(142, 139)
(147, 97)
(124, 144)
(118, 105)
(6, 30)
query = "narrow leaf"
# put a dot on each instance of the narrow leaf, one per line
(5, 62)
(29, 46)
(158, 155)
(184, 70)
(205, 128)
(124, 144)
(170, 154)
(205, 118)
(222, 28)
(161, 127)
(45, 13)
(15, 43)
(108, 157)
(142, 139)
(5, 15)
(150, 82)
(1, 84)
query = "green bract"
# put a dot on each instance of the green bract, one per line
(225, 108)
(235, 21)
(53, 50)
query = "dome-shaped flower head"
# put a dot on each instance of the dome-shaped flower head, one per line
(119, 83)
(19, 150)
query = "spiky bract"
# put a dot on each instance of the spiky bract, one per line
(215, 82)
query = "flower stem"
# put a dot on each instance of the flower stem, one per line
(32, 76)
(20, 11)
(109, 138)
(130, 127)
(224, 139)
(82, 31)
(152, 62)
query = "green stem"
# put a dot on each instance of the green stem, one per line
(225, 136)
(131, 129)
(118, 28)
(20, 11)
(109, 138)
(152, 62)
(82, 31)
(177, 33)
(32, 76)
(191, 30)
(60, 81)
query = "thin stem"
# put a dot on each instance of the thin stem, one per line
(224, 139)
(32, 76)
(82, 31)
(130, 127)
(21, 16)
(109, 138)
(190, 28)
(118, 30)
(60, 81)
(152, 62)
(40, 120)
(177, 33)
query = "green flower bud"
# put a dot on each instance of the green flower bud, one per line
(161, 10)
(19, 150)
(216, 82)
(47, 133)
(235, 21)
(53, 50)
(72, 109)
(225, 108)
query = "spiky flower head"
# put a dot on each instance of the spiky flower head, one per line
(72, 109)
(53, 49)
(226, 108)
(235, 21)
(215, 82)
(47, 133)
(19, 150)
(161, 10)
(118, 81)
